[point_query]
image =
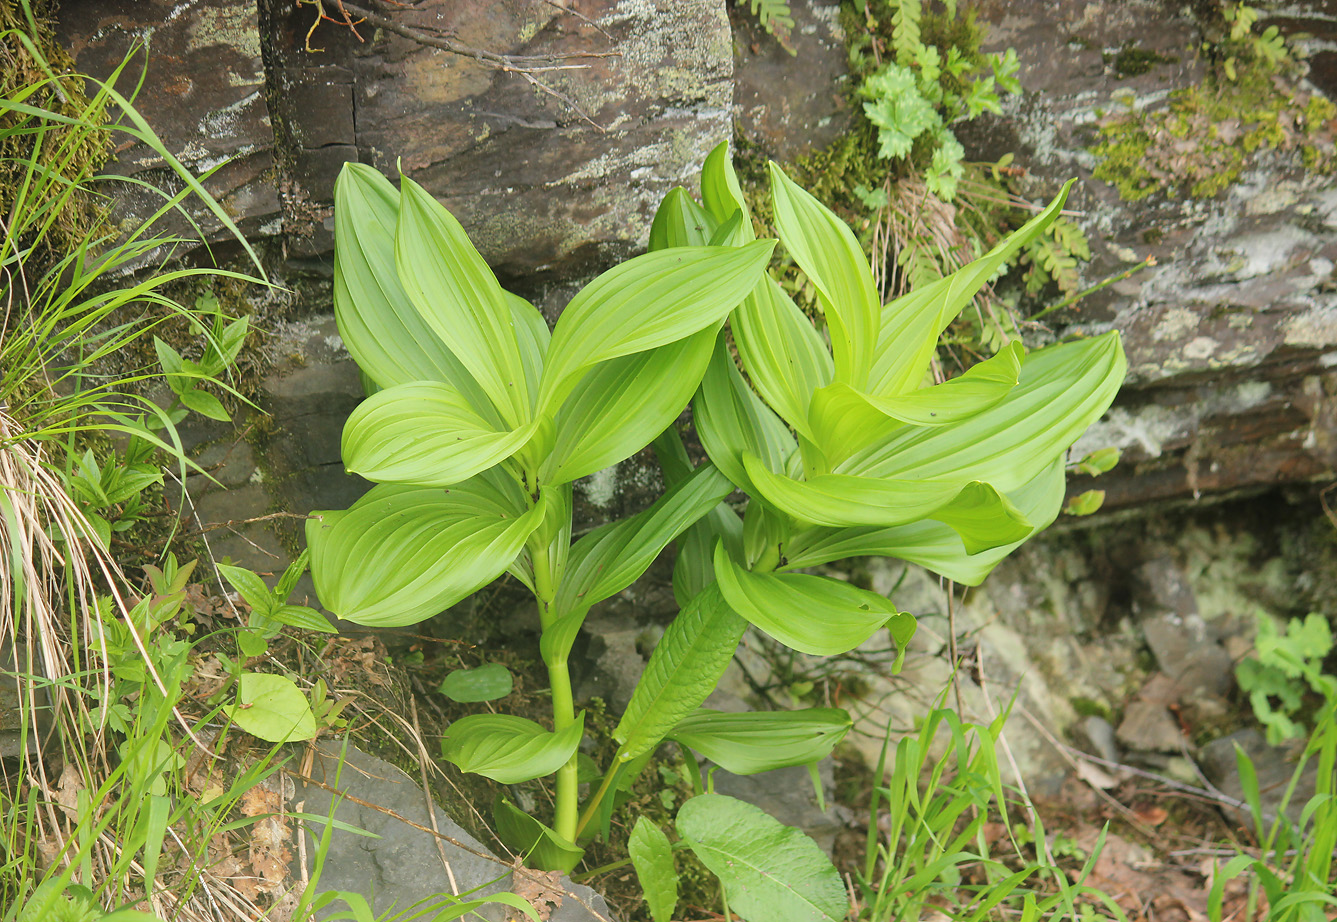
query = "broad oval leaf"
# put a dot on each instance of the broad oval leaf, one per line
(829, 254)
(304, 617)
(613, 556)
(541, 847)
(272, 708)
(1062, 390)
(811, 614)
(652, 856)
(485, 683)
(622, 404)
(649, 301)
(384, 333)
(425, 432)
(402, 554)
(732, 421)
(771, 872)
(507, 748)
(455, 291)
(682, 672)
(755, 741)
(931, 544)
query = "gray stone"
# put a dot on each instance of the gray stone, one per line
(1274, 766)
(1100, 736)
(404, 864)
(1148, 727)
(1186, 650)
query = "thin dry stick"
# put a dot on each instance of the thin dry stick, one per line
(423, 759)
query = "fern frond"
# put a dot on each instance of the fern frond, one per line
(775, 17)
(905, 30)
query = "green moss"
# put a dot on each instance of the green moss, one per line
(1132, 61)
(1089, 707)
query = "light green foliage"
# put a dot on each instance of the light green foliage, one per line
(486, 683)
(652, 857)
(272, 708)
(775, 17)
(1201, 140)
(1285, 667)
(476, 459)
(270, 610)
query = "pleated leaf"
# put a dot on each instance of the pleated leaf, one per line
(829, 254)
(732, 421)
(652, 856)
(721, 192)
(459, 297)
(384, 333)
(760, 741)
(622, 404)
(1062, 390)
(402, 554)
(649, 301)
(812, 614)
(931, 544)
(680, 222)
(425, 433)
(770, 872)
(682, 672)
(541, 847)
(507, 748)
(782, 352)
(908, 328)
(844, 420)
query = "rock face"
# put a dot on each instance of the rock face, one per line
(1232, 336)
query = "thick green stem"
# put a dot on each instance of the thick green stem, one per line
(563, 703)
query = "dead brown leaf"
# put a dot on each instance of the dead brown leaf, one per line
(543, 889)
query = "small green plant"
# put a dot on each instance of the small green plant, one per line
(775, 17)
(1285, 667)
(482, 419)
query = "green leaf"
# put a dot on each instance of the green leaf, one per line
(272, 708)
(652, 856)
(404, 553)
(308, 619)
(203, 403)
(844, 420)
(830, 255)
(425, 433)
(812, 614)
(1085, 503)
(486, 683)
(770, 872)
(383, 331)
(621, 404)
(750, 742)
(680, 222)
(457, 294)
(909, 327)
(542, 847)
(931, 544)
(732, 421)
(649, 301)
(682, 672)
(721, 192)
(613, 556)
(1062, 390)
(782, 352)
(251, 588)
(507, 748)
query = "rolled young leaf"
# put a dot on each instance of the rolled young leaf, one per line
(770, 872)
(721, 192)
(401, 553)
(760, 741)
(507, 748)
(649, 301)
(732, 421)
(427, 433)
(456, 293)
(811, 614)
(682, 672)
(829, 254)
(540, 846)
(384, 333)
(680, 222)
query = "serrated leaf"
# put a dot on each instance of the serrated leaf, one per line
(621, 404)
(645, 302)
(753, 741)
(682, 672)
(455, 291)
(652, 856)
(507, 748)
(829, 254)
(272, 708)
(404, 553)
(541, 847)
(812, 614)
(770, 872)
(486, 683)
(427, 433)
(383, 331)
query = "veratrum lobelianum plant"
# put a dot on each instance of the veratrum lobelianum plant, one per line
(481, 420)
